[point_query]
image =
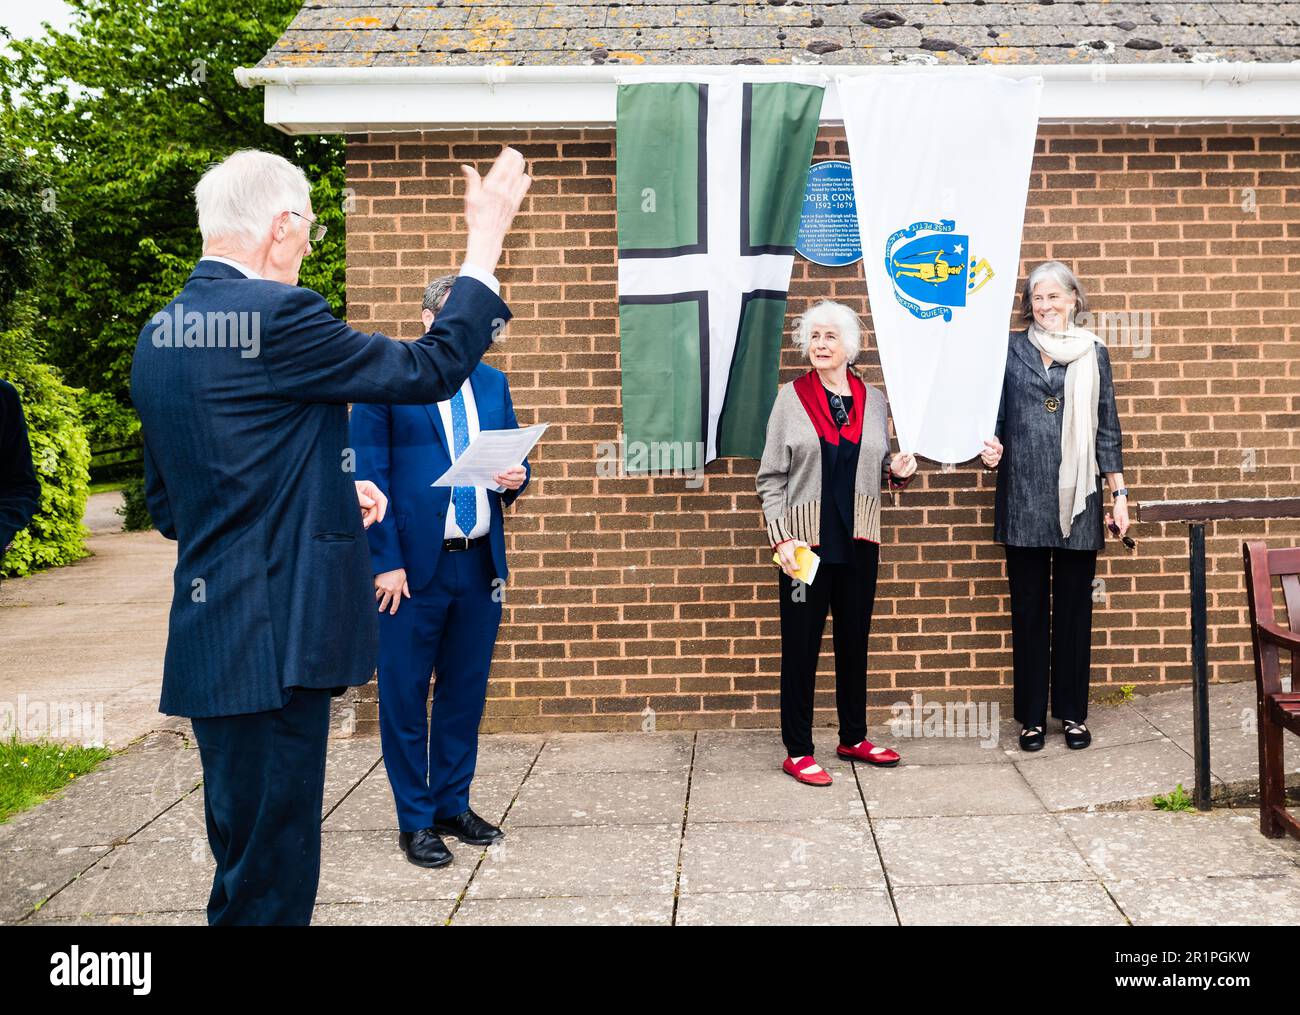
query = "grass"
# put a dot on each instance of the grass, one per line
(107, 487)
(1177, 800)
(32, 770)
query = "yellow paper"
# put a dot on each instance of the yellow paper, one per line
(807, 561)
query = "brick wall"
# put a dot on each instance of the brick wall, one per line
(635, 592)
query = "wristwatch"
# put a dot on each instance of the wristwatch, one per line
(1121, 492)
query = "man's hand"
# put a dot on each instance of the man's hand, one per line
(992, 453)
(390, 587)
(374, 505)
(490, 206)
(903, 465)
(511, 479)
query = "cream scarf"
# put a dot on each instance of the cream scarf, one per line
(1077, 348)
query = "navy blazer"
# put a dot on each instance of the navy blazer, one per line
(1025, 510)
(403, 449)
(247, 466)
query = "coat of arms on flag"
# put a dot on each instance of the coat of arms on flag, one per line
(935, 268)
(710, 184)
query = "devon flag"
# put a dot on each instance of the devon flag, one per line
(710, 184)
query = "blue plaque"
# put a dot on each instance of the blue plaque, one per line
(828, 228)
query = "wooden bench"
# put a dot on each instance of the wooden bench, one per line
(1277, 710)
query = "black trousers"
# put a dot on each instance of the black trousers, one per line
(263, 785)
(849, 592)
(1051, 630)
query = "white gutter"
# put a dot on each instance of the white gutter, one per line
(319, 100)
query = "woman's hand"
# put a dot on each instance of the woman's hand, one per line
(903, 465)
(390, 587)
(992, 453)
(1120, 512)
(786, 552)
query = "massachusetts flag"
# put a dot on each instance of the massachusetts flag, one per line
(710, 186)
(941, 169)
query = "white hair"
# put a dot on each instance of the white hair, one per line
(846, 323)
(239, 196)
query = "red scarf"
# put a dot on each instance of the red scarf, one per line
(812, 394)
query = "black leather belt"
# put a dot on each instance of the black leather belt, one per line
(462, 543)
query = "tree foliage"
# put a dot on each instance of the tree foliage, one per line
(123, 112)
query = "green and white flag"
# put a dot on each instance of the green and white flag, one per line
(710, 187)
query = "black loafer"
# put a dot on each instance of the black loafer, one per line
(470, 829)
(1077, 736)
(424, 848)
(1032, 738)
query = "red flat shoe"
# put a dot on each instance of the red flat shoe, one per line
(801, 773)
(868, 752)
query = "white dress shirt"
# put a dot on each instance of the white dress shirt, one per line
(481, 516)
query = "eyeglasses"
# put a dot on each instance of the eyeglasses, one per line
(1128, 541)
(317, 232)
(837, 409)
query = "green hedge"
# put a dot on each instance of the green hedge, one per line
(61, 454)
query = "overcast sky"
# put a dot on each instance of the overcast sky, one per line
(23, 17)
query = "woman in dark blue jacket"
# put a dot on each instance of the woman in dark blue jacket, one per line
(1057, 434)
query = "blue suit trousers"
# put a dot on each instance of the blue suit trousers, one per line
(447, 629)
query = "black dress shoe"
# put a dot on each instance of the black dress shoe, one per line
(470, 829)
(1032, 738)
(424, 848)
(1077, 736)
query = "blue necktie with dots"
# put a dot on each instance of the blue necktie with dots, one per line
(463, 497)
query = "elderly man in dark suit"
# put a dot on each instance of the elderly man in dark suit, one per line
(1058, 433)
(242, 385)
(20, 493)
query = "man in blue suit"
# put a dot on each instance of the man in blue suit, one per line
(440, 569)
(242, 384)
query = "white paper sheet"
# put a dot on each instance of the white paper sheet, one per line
(489, 454)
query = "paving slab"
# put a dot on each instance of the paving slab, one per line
(507, 753)
(1212, 901)
(845, 907)
(1158, 844)
(1171, 711)
(616, 752)
(30, 876)
(121, 795)
(780, 856)
(1125, 773)
(587, 911)
(425, 913)
(176, 918)
(1110, 725)
(926, 790)
(137, 878)
(596, 860)
(1027, 904)
(370, 867)
(601, 798)
(769, 794)
(985, 849)
(370, 807)
(348, 761)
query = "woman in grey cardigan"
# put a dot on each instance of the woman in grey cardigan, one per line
(1057, 429)
(819, 481)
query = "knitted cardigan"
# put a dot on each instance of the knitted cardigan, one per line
(789, 476)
